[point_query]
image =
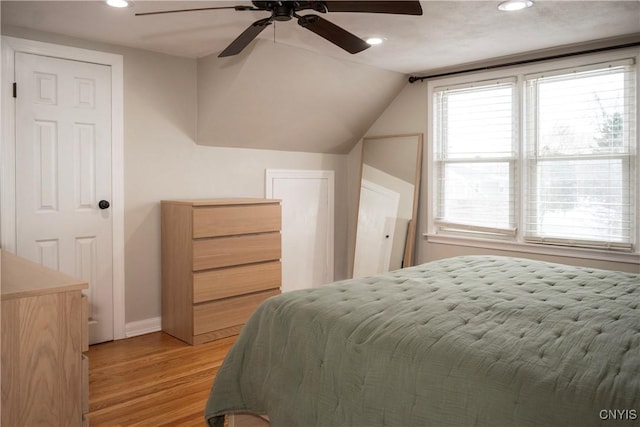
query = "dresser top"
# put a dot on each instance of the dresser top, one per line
(221, 202)
(23, 278)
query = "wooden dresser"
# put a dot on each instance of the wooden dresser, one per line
(220, 260)
(44, 333)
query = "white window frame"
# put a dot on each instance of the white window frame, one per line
(517, 243)
(512, 161)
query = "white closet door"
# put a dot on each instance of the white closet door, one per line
(307, 225)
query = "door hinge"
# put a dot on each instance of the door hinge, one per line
(15, 89)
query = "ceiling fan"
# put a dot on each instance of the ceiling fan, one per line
(286, 10)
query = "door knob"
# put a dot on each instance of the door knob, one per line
(103, 204)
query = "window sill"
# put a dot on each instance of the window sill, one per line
(601, 255)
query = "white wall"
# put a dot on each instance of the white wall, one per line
(277, 96)
(162, 161)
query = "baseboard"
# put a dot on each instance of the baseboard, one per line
(142, 327)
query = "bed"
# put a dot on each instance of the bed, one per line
(465, 341)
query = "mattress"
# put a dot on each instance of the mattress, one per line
(466, 341)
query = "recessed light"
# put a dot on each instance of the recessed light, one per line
(118, 3)
(512, 5)
(374, 40)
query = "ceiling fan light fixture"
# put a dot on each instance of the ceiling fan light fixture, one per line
(374, 40)
(513, 5)
(117, 3)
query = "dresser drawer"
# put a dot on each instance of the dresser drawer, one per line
(220, 314)
(213, 221)
(236, 250)
(228, 282)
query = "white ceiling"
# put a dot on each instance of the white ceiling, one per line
(448, 33)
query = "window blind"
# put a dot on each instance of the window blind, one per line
(475, 157)
(580, 151)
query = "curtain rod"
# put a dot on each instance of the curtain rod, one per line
(413, 79)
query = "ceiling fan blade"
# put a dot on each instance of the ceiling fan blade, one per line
(246, 37)
(335, 34)
(396, 7)
(159, 12)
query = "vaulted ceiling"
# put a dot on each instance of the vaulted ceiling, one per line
(298, 91)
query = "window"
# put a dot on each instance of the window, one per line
(544, 158)
(580, 160)
(475, 158)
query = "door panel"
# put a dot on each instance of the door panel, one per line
(63, 169)
(307, 226)
(378, 211)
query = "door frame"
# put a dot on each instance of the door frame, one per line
(11, 45)
(329, 176)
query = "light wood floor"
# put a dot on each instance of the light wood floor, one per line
(152, 380)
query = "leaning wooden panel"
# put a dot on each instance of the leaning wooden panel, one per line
(214, 221)
(232, 281)
(236, 250)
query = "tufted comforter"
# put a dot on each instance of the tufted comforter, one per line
(466, 341)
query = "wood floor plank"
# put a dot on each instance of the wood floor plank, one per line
(114, 352)
(127, 393)
(164, 405)
(162, 368)
(152, 380)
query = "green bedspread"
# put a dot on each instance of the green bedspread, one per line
(466, 341)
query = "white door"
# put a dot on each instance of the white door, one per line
(63, 172)
(377, 215)
(307, 226)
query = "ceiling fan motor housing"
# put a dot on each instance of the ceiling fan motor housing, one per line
(282, 12)
(285, 10)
